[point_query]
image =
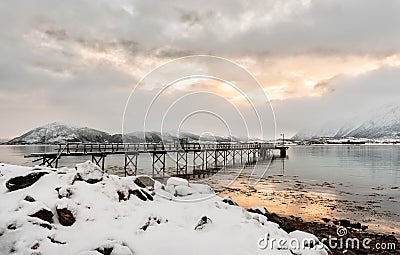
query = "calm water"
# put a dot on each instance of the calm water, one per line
(359, 182)
(361, 166)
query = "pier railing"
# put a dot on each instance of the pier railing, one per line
(89, 148)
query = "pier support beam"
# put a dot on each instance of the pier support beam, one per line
(99, 159)
(131, 162)
(159, 163)
(218, 154)
(198, 155)
(181, 163)
(210, 154)
(51, 162)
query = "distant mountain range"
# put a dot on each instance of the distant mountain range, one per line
(56, 133)
(381, 123)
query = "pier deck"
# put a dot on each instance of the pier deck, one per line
(207, 157)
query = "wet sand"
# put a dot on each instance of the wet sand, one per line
(320, 208)
(288, 196)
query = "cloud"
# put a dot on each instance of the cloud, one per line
(80, 58)
(351, 96)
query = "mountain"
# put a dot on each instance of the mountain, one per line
(56, 133)
(380, 123)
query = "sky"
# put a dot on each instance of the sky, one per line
(273, 66)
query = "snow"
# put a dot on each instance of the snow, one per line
(377, 123)
(132, 226)
(176, 181)
(184, 191)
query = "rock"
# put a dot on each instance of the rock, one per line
(122, 196)
(344, 223)
(65, 217)
(64, 192)
(176, 181)
(89, 172)
(229, 201)
(171, 189)
(149, 197)
(356, 225)
(145, 180)
(158, 185)
(29, 199)
(259, 210)
(54, 240)
(35, 246)
(43, 214)
(184, 191)
(151, 221)
(12, 226)
(326, 220)
(113, 247)
(121, 250)
(202, 223)
(21, 182)
(139, 183)
(141, 194)
(41, 223)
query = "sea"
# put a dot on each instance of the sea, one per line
(356, 182)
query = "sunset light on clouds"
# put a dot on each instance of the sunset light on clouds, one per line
(73, 56)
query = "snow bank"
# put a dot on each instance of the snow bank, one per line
(117, 215)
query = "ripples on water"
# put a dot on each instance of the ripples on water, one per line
(362, 181)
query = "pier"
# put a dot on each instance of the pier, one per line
(207, 158)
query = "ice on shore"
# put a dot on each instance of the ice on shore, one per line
(114, 215)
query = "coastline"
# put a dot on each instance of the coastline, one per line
(310, 223)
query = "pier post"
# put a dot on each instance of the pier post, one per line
(181, 162)
(159, 158)
(282, 153)
(131, 161)
(99, 160)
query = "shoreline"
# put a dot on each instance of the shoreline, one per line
(313, 200)
(322, 228)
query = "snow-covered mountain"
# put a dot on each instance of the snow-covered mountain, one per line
(56, 133)
(61, 133)
(380, 123)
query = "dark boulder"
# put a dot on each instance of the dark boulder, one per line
(21, 182)
(141, 194)
(29, 199)
(44, 214)
(344, 223)
(65, 217)
(229, 201)
(144, 181)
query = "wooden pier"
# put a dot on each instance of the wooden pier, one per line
(207, 158)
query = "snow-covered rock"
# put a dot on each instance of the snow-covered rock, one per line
(131, 226)
(176, 181)
(184, 191)
(89, 172)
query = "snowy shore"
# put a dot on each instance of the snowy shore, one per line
(86, 211)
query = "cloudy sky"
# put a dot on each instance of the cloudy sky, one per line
(77, 62)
